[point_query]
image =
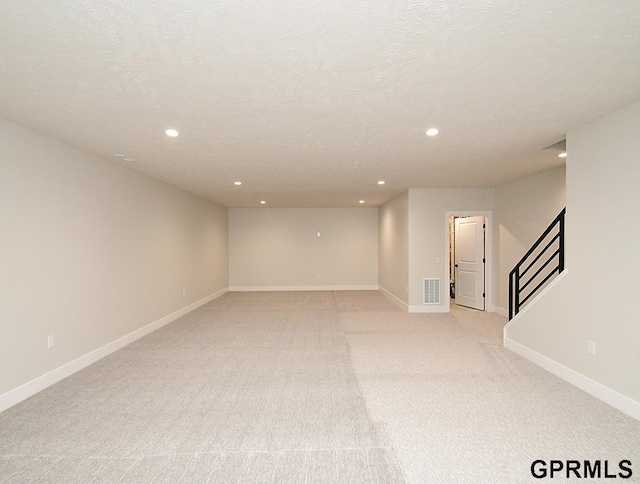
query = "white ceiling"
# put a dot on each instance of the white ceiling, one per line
(310, 103)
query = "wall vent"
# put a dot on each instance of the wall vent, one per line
(431, 293)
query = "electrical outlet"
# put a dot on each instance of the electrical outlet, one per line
(51, 342)
(184, 292)
(591, 349)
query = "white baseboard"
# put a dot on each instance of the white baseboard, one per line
(301, 288)
(432, 308)
(394, 298)
(501, 311)
(38, 384)
(592, 387)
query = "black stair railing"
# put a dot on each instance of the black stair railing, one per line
(534, 271)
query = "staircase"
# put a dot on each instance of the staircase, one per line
(543, 261)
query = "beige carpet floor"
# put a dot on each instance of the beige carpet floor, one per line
(307, 387)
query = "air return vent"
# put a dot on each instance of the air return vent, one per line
(431, 294)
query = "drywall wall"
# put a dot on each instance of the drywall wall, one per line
(596, 300)
(523, 210)
(393, 223)
(278, 248)
(92, 251)
(429, 237)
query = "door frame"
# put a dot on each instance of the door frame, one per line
(488, 254)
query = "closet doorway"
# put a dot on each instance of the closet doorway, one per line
(467, 260)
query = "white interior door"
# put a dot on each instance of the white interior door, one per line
(469, 261)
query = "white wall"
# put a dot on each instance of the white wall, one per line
(277, 248)
(393, 221)
(91, 252)
(597, 299)
(524, 209)
(429, 236)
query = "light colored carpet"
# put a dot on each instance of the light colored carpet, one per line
(310, 387)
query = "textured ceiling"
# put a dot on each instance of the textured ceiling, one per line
(310, 103)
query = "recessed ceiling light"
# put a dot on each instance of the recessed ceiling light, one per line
(172, 132)
(562, 155)
(262, 202)
(381, 182)
(432, 132)
(361, 201)
(237, 183)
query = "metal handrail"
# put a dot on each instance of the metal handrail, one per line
(516, 274)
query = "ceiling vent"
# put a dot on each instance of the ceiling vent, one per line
(431, 293)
